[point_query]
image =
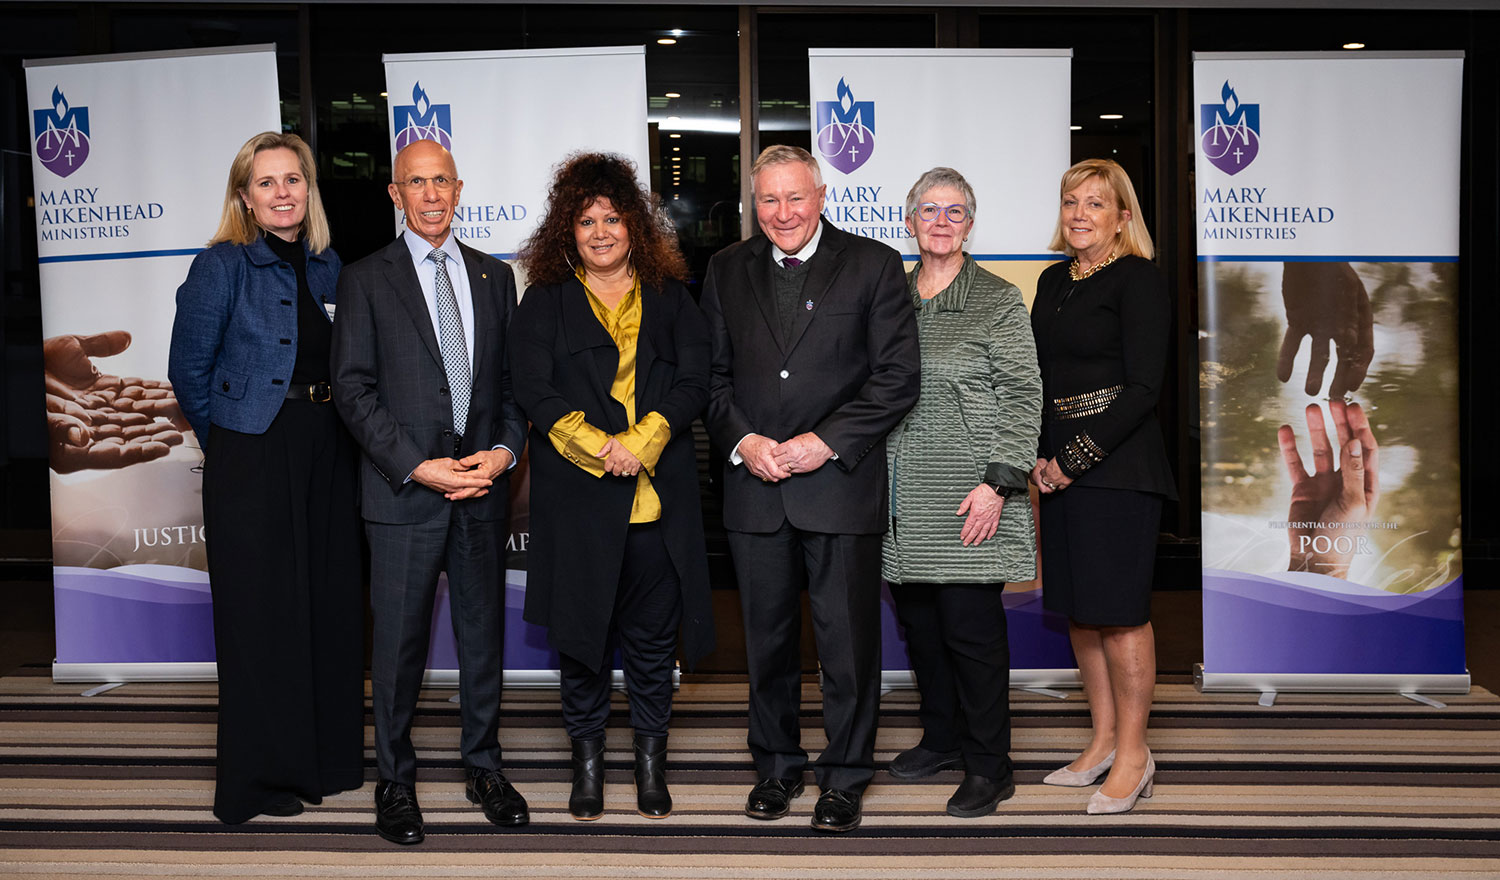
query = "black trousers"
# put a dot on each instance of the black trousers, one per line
(960, 651)
(647, 612)
(284, 567)
(842, 576)
(405, 560)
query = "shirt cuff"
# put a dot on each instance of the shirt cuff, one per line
(507, 449)
(646, 439)
(579, 442)
(734, 454)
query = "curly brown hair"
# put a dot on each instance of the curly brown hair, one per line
(549, 255)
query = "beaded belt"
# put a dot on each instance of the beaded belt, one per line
(1090, 403)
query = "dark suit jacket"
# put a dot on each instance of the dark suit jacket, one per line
(390, 388)
(563, 361)
(1109, 330)
(849, 375)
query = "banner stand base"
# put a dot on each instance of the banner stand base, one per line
(1329, 682)
(123, 673)
(529, 678)
(1021, 679)
(120, 673)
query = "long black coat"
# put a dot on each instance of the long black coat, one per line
(562, 360)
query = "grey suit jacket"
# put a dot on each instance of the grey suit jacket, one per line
(849, 375)
(390, 387)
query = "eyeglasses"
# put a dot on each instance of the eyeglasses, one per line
(929, 211)
(417, 184)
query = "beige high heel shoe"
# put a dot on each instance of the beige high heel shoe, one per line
(1079, 778)
(1103, 803)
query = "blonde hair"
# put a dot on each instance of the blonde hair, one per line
(785, 154)
(238, 225)
(1134, 239)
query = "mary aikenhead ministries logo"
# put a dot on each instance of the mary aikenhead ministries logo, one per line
(846, 130)
(62, 135)
(1230, 132)
(422, 120)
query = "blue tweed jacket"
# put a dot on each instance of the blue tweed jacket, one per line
(235, 336)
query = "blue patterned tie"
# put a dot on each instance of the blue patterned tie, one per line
(451, 341)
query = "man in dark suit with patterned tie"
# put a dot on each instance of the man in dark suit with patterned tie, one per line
(814, 361)
(420, 378)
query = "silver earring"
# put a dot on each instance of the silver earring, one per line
(568, 261)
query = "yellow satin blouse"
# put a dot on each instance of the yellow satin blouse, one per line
(580, 442)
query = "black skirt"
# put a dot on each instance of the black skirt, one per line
(1098, 554)
(288, 603)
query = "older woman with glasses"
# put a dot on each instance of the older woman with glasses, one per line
(960, 512)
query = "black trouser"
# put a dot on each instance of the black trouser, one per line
(405, 560)
(647, 612)
(284, 567)
(957, 639)
(842, 574)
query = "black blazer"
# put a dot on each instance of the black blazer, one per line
(390, 388)
(563, 361)
(1110, 329)
(850, 374)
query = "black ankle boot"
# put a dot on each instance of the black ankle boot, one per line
(587, 800)
(651, 796)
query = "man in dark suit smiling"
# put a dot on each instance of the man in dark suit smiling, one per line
(420, 378)
(814, 361)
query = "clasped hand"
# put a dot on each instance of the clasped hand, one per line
(467, 477)
(1048, 477)
(618, 460)
(773, 462)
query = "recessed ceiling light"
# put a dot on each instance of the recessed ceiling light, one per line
(384, 95)
(1111, 116)
(677, 149)
(674, 135)
(676, 32)
(666, 41)
(1354, 45)
(672, 95)
(1075, 128)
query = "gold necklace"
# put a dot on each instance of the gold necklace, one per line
(1076, 275)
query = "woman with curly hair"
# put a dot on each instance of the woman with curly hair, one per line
(610, 360)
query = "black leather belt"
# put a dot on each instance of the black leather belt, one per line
(317, 392)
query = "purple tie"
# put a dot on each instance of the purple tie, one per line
(790, 262)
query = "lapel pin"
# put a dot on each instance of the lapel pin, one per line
(809, 305)
(484, 274)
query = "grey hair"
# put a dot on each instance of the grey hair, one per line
(939, 176)
(785, 154)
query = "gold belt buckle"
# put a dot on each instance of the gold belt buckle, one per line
(320, 392)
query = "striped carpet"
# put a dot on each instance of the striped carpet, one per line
(119, 786)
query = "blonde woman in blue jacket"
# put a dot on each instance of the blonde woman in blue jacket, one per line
(249, 362)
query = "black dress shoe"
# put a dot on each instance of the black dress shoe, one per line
(284, 804)
(772, 798)
(652, 799)
(918, 763)
(586, 802)
(502, 804)
(397, 816)
(837, 810)
(979, 796)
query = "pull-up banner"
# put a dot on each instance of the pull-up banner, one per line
(509, 117)
(1327, 194)
(882, 117)
(130, 155)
